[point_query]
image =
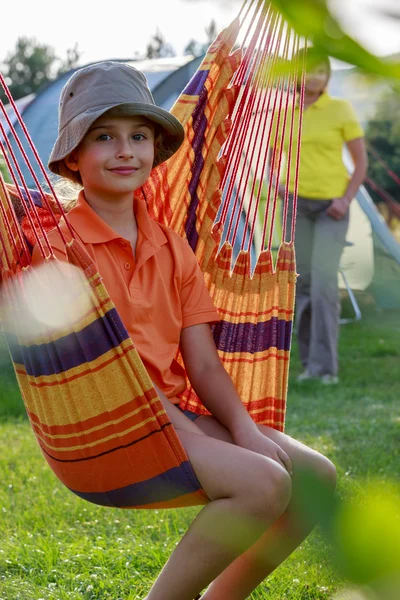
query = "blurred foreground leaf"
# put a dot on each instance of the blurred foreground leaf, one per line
(364, 534)
(367, 537)
(313, 20)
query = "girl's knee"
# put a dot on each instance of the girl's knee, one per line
(329, 474)
(280, 487)
(325, 471)
(271, 493)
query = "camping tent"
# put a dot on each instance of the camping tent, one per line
(371, 260)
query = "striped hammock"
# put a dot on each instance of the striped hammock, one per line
(92, 406)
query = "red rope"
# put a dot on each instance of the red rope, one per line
(248, 100)
(8, 227)
(260, 85)
(388, 170)
(296, 182)
(241, 189)
(238, 75)
(35, 153)
(23, 201)
(272, 225)
(280, 85)
(237, 133)
(266, 142)
(289, 161)
(250, 4)
(231, 144)
(13, 215)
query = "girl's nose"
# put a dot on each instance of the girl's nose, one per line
(124, 150)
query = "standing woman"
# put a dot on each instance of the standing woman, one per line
(325, 192)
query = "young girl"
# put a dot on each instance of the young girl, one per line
(111, 135)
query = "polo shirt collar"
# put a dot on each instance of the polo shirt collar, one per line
(322, 101)
(93, 230)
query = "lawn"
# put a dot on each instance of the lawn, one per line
(55, 546)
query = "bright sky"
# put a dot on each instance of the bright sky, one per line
(121, 28)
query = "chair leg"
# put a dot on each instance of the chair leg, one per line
(354, 303)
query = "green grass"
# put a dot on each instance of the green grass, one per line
(56, 546)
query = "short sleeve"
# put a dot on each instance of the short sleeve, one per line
(351, 127)
(196, 302)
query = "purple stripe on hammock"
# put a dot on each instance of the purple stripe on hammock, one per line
(196, 84)
(35, 195)
(176, 482)
(251, 338)
(72, 350)
(199, 129)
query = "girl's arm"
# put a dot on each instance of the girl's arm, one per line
(217, 392)
(211, 382)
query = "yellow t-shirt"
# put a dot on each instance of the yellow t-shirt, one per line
(327, 125)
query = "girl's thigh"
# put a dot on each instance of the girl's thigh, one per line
(225, 470)
(302, 456)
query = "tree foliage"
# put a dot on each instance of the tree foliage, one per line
(3, 169)
(158, 47)
(211, 31)
(196, 48)
(383, 137)
(71, 60)
(31, 65)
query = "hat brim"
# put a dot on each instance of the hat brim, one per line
(73, 132)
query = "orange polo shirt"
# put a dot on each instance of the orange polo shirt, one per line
(157, 294)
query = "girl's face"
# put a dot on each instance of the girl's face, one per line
(116, 155)
(317, 79)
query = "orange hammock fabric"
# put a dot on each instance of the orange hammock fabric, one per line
(91, 404)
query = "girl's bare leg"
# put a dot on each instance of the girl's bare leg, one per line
(241, 577)
(248, 493)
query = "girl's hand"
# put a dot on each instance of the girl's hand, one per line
(338, 208)
(261, 444)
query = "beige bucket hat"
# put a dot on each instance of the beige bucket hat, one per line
(95, 89)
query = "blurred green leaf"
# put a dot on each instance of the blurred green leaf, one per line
(313, 20)
(364, 535)
(367, 537)
(3, 170)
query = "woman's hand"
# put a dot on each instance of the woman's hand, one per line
(281, 191)
(281, 188)
(255, 441)
(338, 208)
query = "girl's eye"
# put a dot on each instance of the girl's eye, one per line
(104, 137)
(138, 137)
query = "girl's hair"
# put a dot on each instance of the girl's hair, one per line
(69, 184)
(313, 58)
(66, 188)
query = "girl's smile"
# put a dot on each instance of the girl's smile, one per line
(125, 171)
